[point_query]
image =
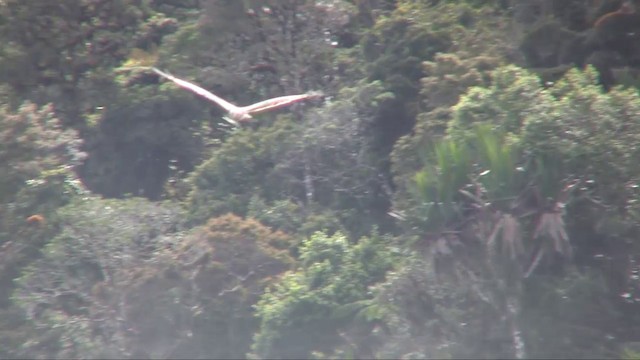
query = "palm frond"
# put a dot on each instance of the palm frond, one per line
(498, 161)
(438, 183)
(507, 231)
(551, 225)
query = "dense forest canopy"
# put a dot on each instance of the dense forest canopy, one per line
(465, 187)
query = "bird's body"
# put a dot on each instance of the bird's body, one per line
(237, 113)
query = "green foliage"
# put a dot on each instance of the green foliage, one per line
(292, 218)
(396, 49)
(427, 314)
(518, 195)
(143, 138)
(37, 162)
(59, 51)
(225, 182)
(306, 310)
(233, 42)
(498, 160)
(454, 169)
(222, 268)
(594, 132)
(14, 329)
(176, 294)
(326, 161)
(439, 185)
(101, 241)
(282, 214)
(425, 53)
(431, 315)
(447, 77)
(416, 31)
(565, 132)
(571, 316)
(630, 354)
(503, 182)
(66, 56)
(504, 104)
(573, 125)
(33, 147)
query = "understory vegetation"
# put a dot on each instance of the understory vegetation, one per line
(466, 187)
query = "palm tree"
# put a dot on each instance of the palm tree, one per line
(238, 114)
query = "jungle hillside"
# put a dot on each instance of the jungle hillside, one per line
(462, 179)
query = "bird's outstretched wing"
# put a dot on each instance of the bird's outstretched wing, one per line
(229, 107)
(276, 103)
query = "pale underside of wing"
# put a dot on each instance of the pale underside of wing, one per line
(237, 113)
(229, 107)
(274, 103)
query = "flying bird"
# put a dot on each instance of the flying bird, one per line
(237, 114)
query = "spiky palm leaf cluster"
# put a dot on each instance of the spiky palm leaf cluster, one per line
(485, 184)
